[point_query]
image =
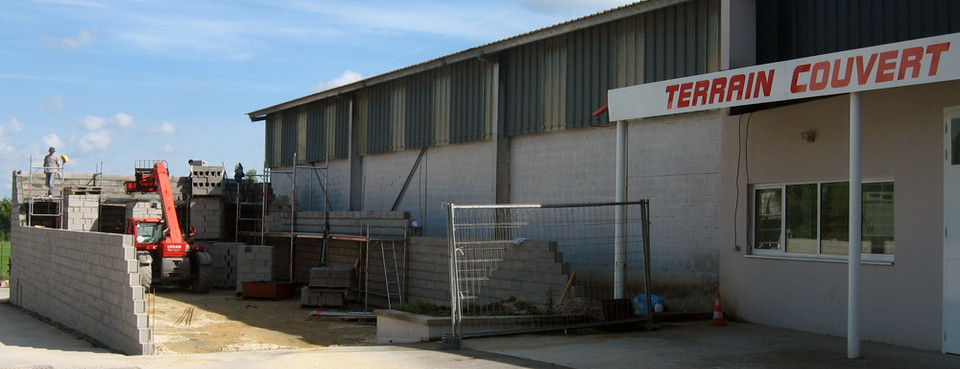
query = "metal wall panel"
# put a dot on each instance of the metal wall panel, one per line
(288, 135)
(269, 143)
(558, 83)
(468, 120)
(790, 29)
(420, 111)
(441, 107)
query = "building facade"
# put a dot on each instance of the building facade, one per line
(746, 199)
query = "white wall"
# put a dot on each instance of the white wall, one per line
(902, 140)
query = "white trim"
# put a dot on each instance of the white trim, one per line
(826, 258)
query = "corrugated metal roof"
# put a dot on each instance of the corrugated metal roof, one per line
(490, 48)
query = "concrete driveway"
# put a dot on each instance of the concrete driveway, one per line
(26, 342)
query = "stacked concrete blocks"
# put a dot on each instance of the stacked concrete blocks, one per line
(206, 180)
(87, 281)
(206, 216)
(145, 209)
(82, 212)
(254, 264)
(225, 257)
(329, 286)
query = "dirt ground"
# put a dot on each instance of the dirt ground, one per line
(223, 321)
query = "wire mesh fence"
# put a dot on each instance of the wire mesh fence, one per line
(526, 268)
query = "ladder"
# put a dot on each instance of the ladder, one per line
(391, 273)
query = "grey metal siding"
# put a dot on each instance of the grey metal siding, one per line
(378, 119)
(558, 83)
(269, 142)
(467, 116)
(790, 29)
(419, 111)
(288, 135)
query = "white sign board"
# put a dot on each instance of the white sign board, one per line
(913, 62)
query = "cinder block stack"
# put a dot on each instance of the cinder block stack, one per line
(206, 216)
(329, 286)
(225, 258)
(254, 264)
(206, 180)
(82, 212)
(144, 209)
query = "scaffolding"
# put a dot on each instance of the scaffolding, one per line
(52, 200)
(261, 205)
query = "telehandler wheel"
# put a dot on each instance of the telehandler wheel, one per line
(203, 280)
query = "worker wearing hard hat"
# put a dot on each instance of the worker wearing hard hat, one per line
(51, 165)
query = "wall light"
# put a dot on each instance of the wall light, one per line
(809, 135)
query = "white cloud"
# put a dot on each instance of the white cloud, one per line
(13, 125)
(51, 140)
(165, 128)
(83, 38)
(92, 123)
(8, 151)
(122, 120)
(98, 140)
(55, 103)
(168, 149)
(346, 78)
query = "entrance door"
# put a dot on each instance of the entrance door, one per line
(951, 232)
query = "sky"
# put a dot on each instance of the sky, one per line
(110, 82)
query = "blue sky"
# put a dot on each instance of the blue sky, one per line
(111, 82)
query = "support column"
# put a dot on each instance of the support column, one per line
(620, 248)
(853, 282)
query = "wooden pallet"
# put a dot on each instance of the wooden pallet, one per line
(83, 190)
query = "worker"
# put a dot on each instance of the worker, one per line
(51, 165)
(238, 173)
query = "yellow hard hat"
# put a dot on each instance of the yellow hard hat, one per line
(65, 158)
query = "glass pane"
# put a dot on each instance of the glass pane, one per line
(955, 141)
(878, 218)
(801, 222)
(835, 217)
(767, 223)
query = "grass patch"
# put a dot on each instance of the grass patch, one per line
(4, 260)
(425, 308)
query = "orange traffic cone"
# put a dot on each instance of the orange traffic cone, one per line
(718, 313)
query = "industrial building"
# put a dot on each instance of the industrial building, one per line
(513, 122)
(746, 196)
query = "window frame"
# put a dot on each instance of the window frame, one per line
(781, 252)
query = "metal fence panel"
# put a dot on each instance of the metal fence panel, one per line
(525, 268)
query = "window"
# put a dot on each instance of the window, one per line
(812, 220)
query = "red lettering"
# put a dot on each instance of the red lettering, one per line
(764, 83)
(910, 58)
(935, 51)
(836, 81)
(670, 90)
(746, 94)
(700, 92)
(736, 85)
(795, 87)
(685, 95)
(863, 72)
(820, 76)
(719, 87)
(885, 67)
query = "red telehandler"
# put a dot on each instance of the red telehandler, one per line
(165, 256)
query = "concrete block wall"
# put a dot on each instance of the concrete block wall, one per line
(674, 162)
(87, 281)
(254, 264)
(206, 215)
(530, 271)
(111, 185)
(82, 212)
